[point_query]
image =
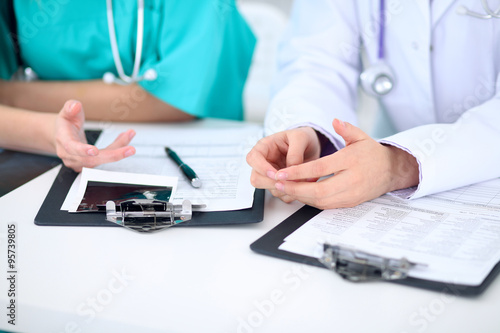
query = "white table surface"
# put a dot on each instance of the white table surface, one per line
(202, 279)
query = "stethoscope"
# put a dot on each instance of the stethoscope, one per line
(378, 79)
(462, 10)
(123, 79)
(27, 74)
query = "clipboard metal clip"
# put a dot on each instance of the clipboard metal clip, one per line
(144, 215)
(358, 266)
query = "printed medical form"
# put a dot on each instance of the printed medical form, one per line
(454, 234)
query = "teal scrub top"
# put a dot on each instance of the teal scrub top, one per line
(201, 49)
(8, 60)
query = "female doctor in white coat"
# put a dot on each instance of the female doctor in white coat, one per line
(434, 66)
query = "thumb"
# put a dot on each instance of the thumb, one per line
(73, 112)
(348, 132)
(297, 146)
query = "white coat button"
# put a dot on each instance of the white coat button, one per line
(414, 45)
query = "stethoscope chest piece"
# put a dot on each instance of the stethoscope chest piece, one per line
(378, 80)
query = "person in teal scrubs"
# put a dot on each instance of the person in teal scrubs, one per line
(200, 52)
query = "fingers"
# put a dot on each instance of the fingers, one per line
(268, 182)
(302, 190)
(362, 171)
(80, 149)
(77, 148)
(110, 155)
(348, 132)
(260, 158)
(116, 151)
(77, 162)
(261, 181)
(313, 170)
(296, 147)
(122, 140)
(279, 151)
(330, 193)
(329, 164)
(73, 112)
(71, 144)
(282, 196)
(284, 149)
(69, 134)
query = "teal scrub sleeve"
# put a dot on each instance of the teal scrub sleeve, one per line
(8, 59)
(203, 53)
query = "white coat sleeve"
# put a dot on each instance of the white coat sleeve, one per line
(318, 69)
(457, 154)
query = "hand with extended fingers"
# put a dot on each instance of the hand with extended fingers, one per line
(71, 143)
(288, 164)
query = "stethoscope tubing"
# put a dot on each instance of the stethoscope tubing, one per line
(381, 39)
(124, 78)
(490, 14)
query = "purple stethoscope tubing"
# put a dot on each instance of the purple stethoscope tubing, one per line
(381, 23)
(378, 79)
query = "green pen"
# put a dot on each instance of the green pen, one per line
(186, 169)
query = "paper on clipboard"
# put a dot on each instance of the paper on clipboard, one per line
(455, 233)
(74, 198)
(217, 156)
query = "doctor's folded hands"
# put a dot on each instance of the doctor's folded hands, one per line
(288, 164)
(438, 126)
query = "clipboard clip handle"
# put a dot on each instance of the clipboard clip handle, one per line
(358, 266)
(145, 215)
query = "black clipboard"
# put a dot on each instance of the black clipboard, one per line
(50, 213)
(269, 243)
(18, 168)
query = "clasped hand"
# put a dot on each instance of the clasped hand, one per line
(288, 164)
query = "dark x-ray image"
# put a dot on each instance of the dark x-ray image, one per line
(98, 193)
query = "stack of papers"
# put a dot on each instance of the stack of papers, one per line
(455, 235)
(216, 155)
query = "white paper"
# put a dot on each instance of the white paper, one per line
(77, 193)
(217, 155)
(455, 233)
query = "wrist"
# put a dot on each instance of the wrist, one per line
(43, 131)
(404, 168)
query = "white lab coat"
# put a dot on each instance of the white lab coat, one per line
(445, 107)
